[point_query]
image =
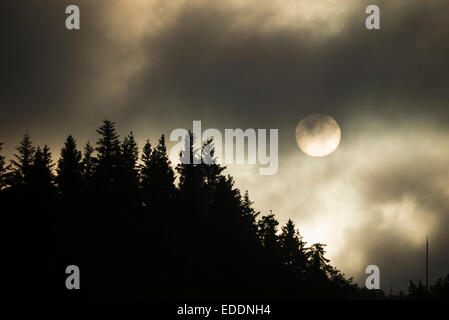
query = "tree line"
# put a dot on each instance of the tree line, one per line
(134, 231)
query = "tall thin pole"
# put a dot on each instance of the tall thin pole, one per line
(427, 265)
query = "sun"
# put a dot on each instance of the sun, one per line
(318, 135)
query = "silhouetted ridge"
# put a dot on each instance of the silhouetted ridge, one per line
(120, 217)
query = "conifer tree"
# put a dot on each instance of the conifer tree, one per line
(129, 180)
(190, 175)
(271, 253)
(318, 260)
(145, 171)
(211, 169)
(69, 169)
(107, 173)
(130, 154)
(267, 229)
(190, 195)
(41, 175)
(157, 175)
(24, 161)
(167, 177)
(248, 212)
(293, 247)
(199, 182)
(88, 165)
(319, 272)
(108, 146)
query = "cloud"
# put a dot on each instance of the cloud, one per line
(153, 66)
(239, 63)
(54, 79)
(206, 64)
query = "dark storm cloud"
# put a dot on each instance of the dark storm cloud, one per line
(50, 76)
(202, 64)
(44, 63)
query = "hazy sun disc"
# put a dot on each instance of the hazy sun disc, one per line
(318, 135)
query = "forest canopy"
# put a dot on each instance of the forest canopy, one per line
(116, 213)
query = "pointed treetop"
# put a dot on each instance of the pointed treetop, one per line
(26, 151)
(108, 145)
(69, 167)
(146, 153)
(130, 151)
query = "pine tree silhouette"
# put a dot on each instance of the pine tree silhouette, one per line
(294, 254)
(129, 180)
(69, 171)
(146, 173)
(20, 174)
(108, 159)
(108, 145)
(157, 176)
(41, 175)
(88, 167)
(293, 247)
(108, 170)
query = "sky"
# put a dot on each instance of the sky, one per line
(154, 66)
